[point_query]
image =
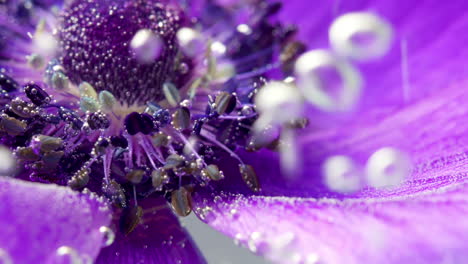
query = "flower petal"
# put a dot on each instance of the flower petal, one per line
(159, 238)
(434, 132)
(38, 219)
(409, 229)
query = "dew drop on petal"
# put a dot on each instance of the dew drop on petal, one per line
(327, 81)
(361, 36)
(387, 167)
(5, 258)
(342, 174)
(109, 235)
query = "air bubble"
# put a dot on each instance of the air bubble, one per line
(387, 167)
(361, 36)
(342, 174)
(190, 41)
(327, 81)
(146, 45)
(109, 235)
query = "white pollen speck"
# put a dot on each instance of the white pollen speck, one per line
(361, 36)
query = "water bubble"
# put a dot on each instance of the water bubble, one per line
(218, 49)
(207, 214)
(5, 258)
(59, 81)
(342, 174)
(68, 254)
(146, 45)
(362, 36)
(36, 61)
(328, 81)
(387, 167)
(190, 41)
(244, 29)
(277, 102)
(109, 235)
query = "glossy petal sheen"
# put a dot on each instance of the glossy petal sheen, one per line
(37, 219)
(159, 238)
(420, 221)
(428, 228)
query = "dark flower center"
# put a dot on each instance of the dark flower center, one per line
(95, 41)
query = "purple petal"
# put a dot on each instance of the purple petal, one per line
(427, 121)
(38, 219)
(406, 229)
(159, 238)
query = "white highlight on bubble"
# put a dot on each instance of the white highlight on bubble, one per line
(277, 102)
(7, 161)
(387, 167)
(361, 36)
(146, 45)
(218, 49)
(69, 255)
(342, 174)
(244, 29)
(328, 81)
(109, 235)
(5, 258)
(191, 41)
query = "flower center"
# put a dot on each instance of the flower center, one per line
(95, 40)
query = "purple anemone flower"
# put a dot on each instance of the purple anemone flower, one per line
(322, 132)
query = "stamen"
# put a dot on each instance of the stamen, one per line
(387, 167)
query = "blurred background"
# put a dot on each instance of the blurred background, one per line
(216, 247)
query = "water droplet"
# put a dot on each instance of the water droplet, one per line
(109, 235)
(342, 174)
(207, 214)
(190, 41)
(69, 255)
(146, 45)
(244, 29)
(59, 81)
(5, 258)
(387, 167)
(362, 36)
(277, 102)
(327, 81)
